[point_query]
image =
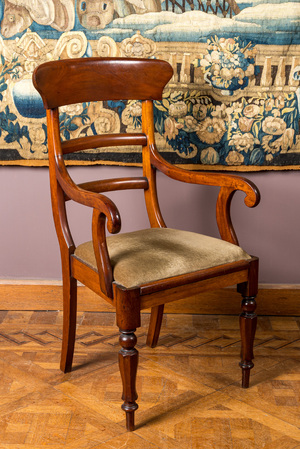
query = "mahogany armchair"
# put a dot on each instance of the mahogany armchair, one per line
(147, 268)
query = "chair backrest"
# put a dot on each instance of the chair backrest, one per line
(83, 80)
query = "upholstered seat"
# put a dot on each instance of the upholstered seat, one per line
(149, 255)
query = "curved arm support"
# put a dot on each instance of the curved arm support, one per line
(101, 253)
(224, 222)
(60, 217)
(229, 185)
(207, 178)
(95, 200)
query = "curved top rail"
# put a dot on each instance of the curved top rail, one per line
(81, 80)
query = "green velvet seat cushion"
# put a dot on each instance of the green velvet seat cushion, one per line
(148, 255)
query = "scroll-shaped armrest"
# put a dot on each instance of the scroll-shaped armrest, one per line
(228, 184)
(97, 201)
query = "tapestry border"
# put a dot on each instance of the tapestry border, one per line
(212, 168)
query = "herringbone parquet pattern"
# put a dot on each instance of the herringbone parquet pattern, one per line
(189, 393)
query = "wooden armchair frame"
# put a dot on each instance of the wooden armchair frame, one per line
(92, 79)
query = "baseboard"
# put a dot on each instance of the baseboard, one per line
(275, 299)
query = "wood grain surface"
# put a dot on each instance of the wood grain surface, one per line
(189, 385)
(282, 301)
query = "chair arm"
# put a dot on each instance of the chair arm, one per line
(207, 178)
(105, 272)
(228, 184)
(97, 201)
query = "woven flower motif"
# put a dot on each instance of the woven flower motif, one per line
(242, 142)
(171, 128)
(209, 156)
(274, 125)
(135, 109)
(32, 151)
(72, 109)
(37, 134)
(271, 146)
(234, 158)
(211, 130)
(199, 111)
(245, 124)
(221, 111)
(131, 111)
(178, 109)
(279, 102)
(283, 143)
(228, 63)
(251, 110)
(269, 104)
(190, 123)
(103, 124)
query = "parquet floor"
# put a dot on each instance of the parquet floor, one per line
(189, 393)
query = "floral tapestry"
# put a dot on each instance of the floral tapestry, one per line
(232, 104)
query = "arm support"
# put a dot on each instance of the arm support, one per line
(229, 185)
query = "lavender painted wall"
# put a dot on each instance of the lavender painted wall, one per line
(29, 249)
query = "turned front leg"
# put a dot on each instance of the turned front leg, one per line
(248, 321)
(128, 363)
(128, 319)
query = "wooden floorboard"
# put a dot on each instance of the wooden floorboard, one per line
(270, 301)
(189, 386)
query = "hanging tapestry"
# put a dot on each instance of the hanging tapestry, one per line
(232, 104)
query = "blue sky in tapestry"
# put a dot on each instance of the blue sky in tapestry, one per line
(257, 20)
(256, 23)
